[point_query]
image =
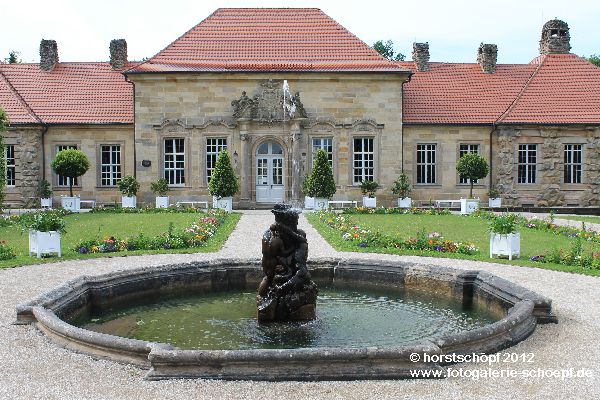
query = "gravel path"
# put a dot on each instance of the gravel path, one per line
(31, 367)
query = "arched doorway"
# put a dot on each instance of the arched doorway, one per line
(270, 186)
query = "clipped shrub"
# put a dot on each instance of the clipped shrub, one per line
(368, 188)
(160, 187)
(223, 182)
(472, 166)
(320, 181)
(72, 164)
(44, 189)
(129, 186)
(401, 186)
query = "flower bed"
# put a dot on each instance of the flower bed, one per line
(574, 256)
(6, 252)
(173, 209)
(433, 241)
(193, 236)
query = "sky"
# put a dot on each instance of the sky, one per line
(454, 29)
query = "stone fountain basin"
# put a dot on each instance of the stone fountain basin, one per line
(521, 308)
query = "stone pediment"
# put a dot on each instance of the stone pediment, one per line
(267, 105)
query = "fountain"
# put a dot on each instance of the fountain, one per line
(286, 292)
(202, 319)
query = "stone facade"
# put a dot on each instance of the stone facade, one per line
(28, 152)
(340, 107)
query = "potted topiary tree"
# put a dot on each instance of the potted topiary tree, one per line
(321, 184)
(71, 163)
(368, 189)
(402, 188)
(471, 166)
(160, 188)
(129, 186)
(309, 199)
(494, 198)
(223, 182)
(504, 238)
(44, 231)
(45, 193)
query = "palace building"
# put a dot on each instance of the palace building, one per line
(221, 86)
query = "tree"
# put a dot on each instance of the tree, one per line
(387, 50)
(223, 182)
(320, 182)
(72, 164)
(13, 58)
(3, 123)
(472, 166)
(594, 59)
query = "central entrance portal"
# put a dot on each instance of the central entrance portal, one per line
(269, 173)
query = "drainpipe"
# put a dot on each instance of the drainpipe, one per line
(134, 140)
(491, 157)
(402, 124)
(44, 130)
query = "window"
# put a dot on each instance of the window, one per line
(426, 163)
(175, 161)
(573, 163)
(63, 180)
(464, 149)
(213, 147)
(364, 160)
(527, 163)
(325, 144)
(110, 165)
(11, 170)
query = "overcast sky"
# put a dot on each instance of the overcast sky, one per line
(453, 29)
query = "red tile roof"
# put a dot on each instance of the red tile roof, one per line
(268, 39)
(552, 89)
(86, 93)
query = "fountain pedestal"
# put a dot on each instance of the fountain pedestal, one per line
(287, 292)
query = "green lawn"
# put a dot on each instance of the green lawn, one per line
(452, 227)
(584, 218)
(91, 225)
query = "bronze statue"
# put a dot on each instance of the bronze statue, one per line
(287, 291)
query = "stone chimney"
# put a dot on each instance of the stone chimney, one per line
(555, 38)
(487, 55)
(48, 54)
(118, 53)
(420, 56)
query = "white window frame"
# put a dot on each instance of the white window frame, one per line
(573, 170)
(426, 172)
(10, 164)
(527, 164)
(361, 160)
(112, 172)
(177, 164)
(63, 181)
(214, 145)
(465, 148)
(322, 143)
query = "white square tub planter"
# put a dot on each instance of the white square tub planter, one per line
(224, 203)
(370, 202)
(405, 202)
(505, 245)
(469, 206)
(46, 203)
(70, 203)
(128, 201)
(162, 202)
(44, 243)
(495, 202)
(321, 204)
(309, 202)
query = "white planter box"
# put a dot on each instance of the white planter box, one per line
(162, 202)
(370, 202)
(495, 203)
(128, 202)
(71, 203)
(225, 203)
(309, 202)
(321, 204)
(469, 206)
(44, 243)
(505, 245)
(405, 202)
(46, 203)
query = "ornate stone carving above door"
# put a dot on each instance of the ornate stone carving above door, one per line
(267, 104)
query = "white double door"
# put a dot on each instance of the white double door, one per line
(269, 173)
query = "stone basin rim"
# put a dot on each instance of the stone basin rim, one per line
(524, 309)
